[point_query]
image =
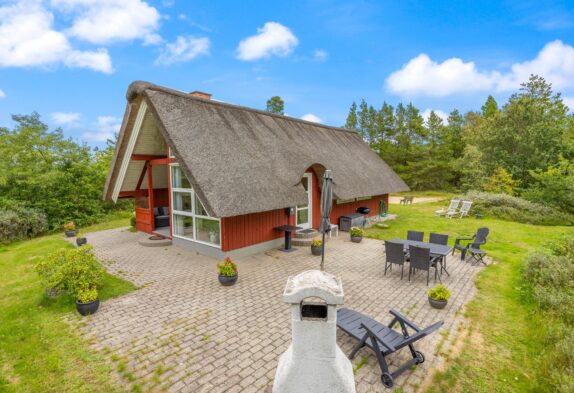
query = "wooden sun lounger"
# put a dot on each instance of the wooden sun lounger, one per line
(383, 339)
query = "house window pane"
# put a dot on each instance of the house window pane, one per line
(182, 201)
(199, 209)
(183, 226)
(207, 230)
(302, 216)
(178, 178)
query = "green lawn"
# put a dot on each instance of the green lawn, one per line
(39, 352)
(501, 352)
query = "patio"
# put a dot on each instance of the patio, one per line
(184, 332)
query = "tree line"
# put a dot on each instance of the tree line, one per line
(525, 147)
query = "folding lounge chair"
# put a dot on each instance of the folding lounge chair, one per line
(452, 208)
(464, 209)
(384, 340)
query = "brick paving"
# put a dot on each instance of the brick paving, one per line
(184, 332)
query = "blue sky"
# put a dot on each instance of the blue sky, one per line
(72, 60)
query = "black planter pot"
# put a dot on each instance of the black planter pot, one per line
(70, 233)
(227, 280)
(88, 308)
(80, 241)
(440, 304)
(316, 250)
(356, 239)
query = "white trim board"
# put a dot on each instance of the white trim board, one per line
(129, 151)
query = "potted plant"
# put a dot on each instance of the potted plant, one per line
(438, 296)
(88, 301)
(316, 247)
(70, 229)
(356, 234)
(80, 240)
(227, 272)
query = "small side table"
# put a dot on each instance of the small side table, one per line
(288, 229)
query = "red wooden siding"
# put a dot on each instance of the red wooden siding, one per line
(250, 229)
(144, 219)
(351, 207)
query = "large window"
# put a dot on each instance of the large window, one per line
(190, 219)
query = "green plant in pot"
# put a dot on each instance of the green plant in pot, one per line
(88, 301)
(80, 240)
(70, 229)
(438, 296)
(316, 247)
(356, 234)
(76, 272)
(227, 272)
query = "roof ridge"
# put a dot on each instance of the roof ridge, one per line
(139, 87)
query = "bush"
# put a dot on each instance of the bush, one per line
(76, 271)
(133, 220)
(500, 182)
(19, 223)
(439, 292)
(512, 208)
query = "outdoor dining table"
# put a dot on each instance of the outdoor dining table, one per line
(435, 249)
(287, 229)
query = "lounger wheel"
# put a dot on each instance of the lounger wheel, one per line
(387, 380)
(420, 357)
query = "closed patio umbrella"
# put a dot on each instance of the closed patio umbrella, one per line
(326, 206)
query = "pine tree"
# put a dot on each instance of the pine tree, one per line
(351, 123)
(490, 107)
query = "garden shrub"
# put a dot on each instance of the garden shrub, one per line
(516, 209)
(550, 278)
(75, 271)
(19, 223)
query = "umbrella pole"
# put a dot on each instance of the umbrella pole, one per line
(323, 253)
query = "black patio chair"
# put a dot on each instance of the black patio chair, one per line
(394, 254)
(477, 240)
(421, 259)
(415, 235)
(383, 339)
(438, 238)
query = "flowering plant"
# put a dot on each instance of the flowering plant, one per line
(316, 243)
(227, 268)
(356, 231)
(70, 226)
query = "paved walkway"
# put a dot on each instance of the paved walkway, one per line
(184, 332)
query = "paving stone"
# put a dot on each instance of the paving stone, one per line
(210, 338)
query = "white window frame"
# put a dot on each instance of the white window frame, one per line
(191, 214)
(309, 207)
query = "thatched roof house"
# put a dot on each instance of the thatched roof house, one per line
(238, 161)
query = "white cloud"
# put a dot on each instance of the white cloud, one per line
(183, 49)
(27, 39)
(312, 117)
(443, 115)
(2, 94)
(107, 127)
(422, 76)
(273, 39)
(105, 21)
(65, 118)
(320, 55)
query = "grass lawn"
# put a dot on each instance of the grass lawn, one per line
(39, 352)
(501, 352)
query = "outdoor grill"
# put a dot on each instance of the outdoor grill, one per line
(363, 210)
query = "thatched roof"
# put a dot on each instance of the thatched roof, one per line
(241, 160)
